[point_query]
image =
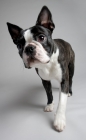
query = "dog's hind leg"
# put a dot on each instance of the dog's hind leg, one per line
(71, 73)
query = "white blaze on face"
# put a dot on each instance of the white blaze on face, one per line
(28, 36)
(41, 54)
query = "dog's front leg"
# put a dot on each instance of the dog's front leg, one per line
(48, 88)
(60, 119)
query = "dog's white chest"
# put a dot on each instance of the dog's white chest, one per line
(51, 70)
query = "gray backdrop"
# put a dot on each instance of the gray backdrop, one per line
(22, 97)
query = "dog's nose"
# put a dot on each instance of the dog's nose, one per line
(29, 50)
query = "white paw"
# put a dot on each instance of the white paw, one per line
(60, 122)
(69, 95)
(49, 107)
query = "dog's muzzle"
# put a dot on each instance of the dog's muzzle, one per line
(34, 53)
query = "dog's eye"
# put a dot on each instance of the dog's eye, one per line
(40, 38)
(19, 46)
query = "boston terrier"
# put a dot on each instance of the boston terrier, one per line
(52, 59)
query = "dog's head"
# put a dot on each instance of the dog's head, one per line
(35, 44)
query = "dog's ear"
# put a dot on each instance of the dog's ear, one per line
(14, 31)
(45, 19)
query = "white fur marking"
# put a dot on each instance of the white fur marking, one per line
(28, 36)
(49, 107)
(69, 95)
(51, 70)
(60, 119)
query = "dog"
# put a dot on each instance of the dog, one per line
(52, 59)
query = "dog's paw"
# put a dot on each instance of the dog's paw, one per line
(69, 95)
(49, 107)
(60, 122)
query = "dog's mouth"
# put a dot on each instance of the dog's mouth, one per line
(32, 61)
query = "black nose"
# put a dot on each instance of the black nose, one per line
(29, 50)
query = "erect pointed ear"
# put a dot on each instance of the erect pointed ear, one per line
(14, 31)
(45, 19)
